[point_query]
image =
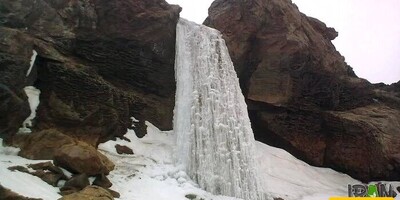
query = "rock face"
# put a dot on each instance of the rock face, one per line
(14, 62)
(301, 94)
(99, 63)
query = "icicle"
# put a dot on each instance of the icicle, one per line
(215, 143)
(32, 62)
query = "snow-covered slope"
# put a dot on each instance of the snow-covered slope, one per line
(155, 177)
(22, 183)
(287, 177)
(150, 173)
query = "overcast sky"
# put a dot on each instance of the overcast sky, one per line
(369, 31)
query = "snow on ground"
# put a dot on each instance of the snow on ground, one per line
(23, 183)
(287, 177)
(149, 174)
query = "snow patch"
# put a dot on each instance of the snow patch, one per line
(287, 177)
(134, 120)
(33, 99)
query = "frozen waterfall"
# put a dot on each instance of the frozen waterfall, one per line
(215, 142)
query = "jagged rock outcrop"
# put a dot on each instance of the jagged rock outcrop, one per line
(301, 94)
(45, 171)
(99, 63)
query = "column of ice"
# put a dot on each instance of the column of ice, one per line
(215, 143)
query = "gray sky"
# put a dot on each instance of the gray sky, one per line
(369, 31)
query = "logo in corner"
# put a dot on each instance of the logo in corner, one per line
(372, 190)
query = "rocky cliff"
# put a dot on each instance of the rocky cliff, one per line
(99, 63)
(301, 94)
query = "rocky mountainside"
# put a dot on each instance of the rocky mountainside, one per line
(301, 94)
(99, 63)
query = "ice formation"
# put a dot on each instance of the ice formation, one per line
(215, 142)
(32, 62)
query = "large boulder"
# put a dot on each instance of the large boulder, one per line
(90, 193)
(42, 145)
(301, 94)
(99, 63)
(82, 158)
(67, 152)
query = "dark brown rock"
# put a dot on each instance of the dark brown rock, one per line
(89, 193)
(83, 159)
(102, 181)
(15, 53)
(114, 193)
(302, 96)
(47, 176)
(99, 63)
(329, 33)
(365, 136)
(51, 173)
(68, 190)
(77, 182)
(122, 149)
(281, 58)
(6, 194)
(45, 171)
(76, 156)
(19, 168)
(42, 145)
(46, 166)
